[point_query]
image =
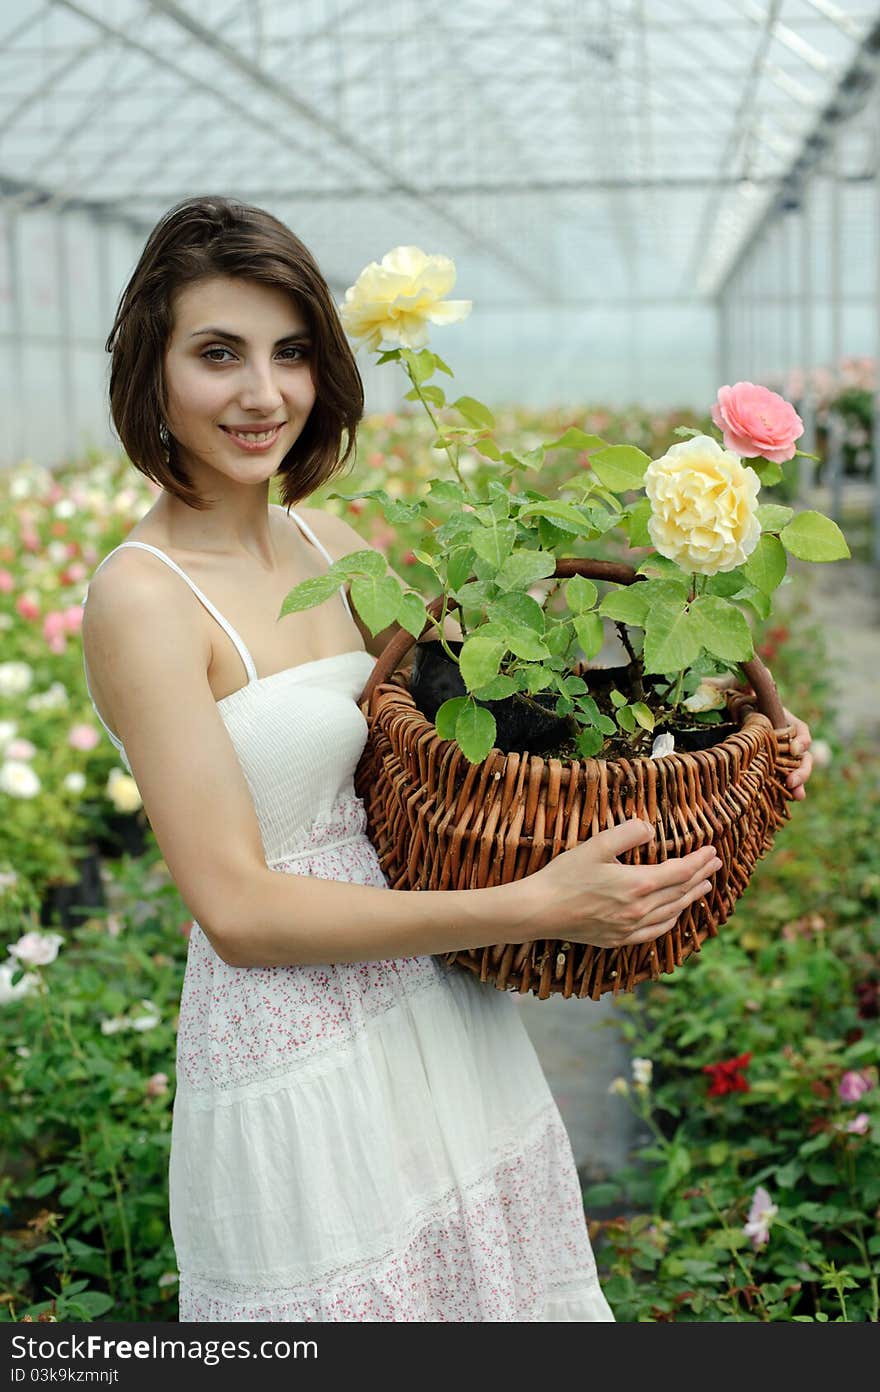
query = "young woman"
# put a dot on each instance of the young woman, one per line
(360, 1132)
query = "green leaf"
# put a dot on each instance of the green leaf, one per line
(755, 598)
(517, 608)
(367, 562)
(475, 412)
(487, 447)
(479, 660)
(497, 689)
(525, 643)
(580, 594)
(617, 698)
(412, 614)
(435, 395)
(461, 564)
(663, 565)
(523, 568)
(627, 605)
(768, 472)
(565, 515)
(377, 601)
(814, 537)
(442, 366)
(475, 731)
(637, 523)
(538, 678)
(766, 565)
(589, 742)
(721, 628)
(425, 558)
(643, 714)
(91, 1304)
(420, 364)
(671, 642)
(494, 543)
(626, 720)
(308, 593)
(576, 439)
(772, 516)
(620, 467)
(446, 491)
(447, 715)
(590, 633)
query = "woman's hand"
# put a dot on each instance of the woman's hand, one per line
(586, 896)
(800, 745)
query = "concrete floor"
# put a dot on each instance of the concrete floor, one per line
(581, 1053)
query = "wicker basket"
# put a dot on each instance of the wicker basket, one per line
(440, 822)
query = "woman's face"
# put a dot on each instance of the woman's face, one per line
(238, 360)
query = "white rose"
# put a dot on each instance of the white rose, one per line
(15, 678)
(392, 301)
(642, 1071)
(37, 949)
(8, 992)
(8, 731)
(65, 508)
(75, 782)
(18, 779)
(704, 504)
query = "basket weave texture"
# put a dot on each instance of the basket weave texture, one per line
(439, 822)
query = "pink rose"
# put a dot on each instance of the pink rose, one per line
(860, 1125)
(83, 737)
(7, 583)
(852, 1086)
(756, 421)
(157, 1085)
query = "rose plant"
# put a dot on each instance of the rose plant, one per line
(711, 553)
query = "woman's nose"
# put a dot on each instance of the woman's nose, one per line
(262, 387)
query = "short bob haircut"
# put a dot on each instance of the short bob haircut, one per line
(196, 240)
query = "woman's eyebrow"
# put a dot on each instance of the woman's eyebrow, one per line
(237, 338)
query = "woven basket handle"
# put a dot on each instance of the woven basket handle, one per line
(766, 694)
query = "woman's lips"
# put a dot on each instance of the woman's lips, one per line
(252, 445)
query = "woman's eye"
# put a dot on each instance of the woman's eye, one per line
(292, 349)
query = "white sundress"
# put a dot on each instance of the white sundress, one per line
(360, 1141)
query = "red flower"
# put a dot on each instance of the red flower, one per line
(727, 1076)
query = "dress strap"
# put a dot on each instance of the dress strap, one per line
(211, 608)
(310, 535)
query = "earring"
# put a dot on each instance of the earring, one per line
(164, 437)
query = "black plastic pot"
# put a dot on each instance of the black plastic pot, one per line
(69, 904)
(434, 678)
(124, 835)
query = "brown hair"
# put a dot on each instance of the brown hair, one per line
(212, 236)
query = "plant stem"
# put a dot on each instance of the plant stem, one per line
(749, 1275)
(123, 1222)
(436, 424)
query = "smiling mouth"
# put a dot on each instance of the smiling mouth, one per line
(253, 437)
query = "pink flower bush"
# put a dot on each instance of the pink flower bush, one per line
(761, 1215)
(7, 582)
(83, 737)
(157, 1085)
(756, 421)
(853, 1086)
(860, 1124)
(19, 749)
(27, 607)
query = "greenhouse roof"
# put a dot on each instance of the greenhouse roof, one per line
(595, 151)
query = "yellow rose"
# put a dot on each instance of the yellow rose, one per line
(123, 791)
(703, 506)
(392, 301)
